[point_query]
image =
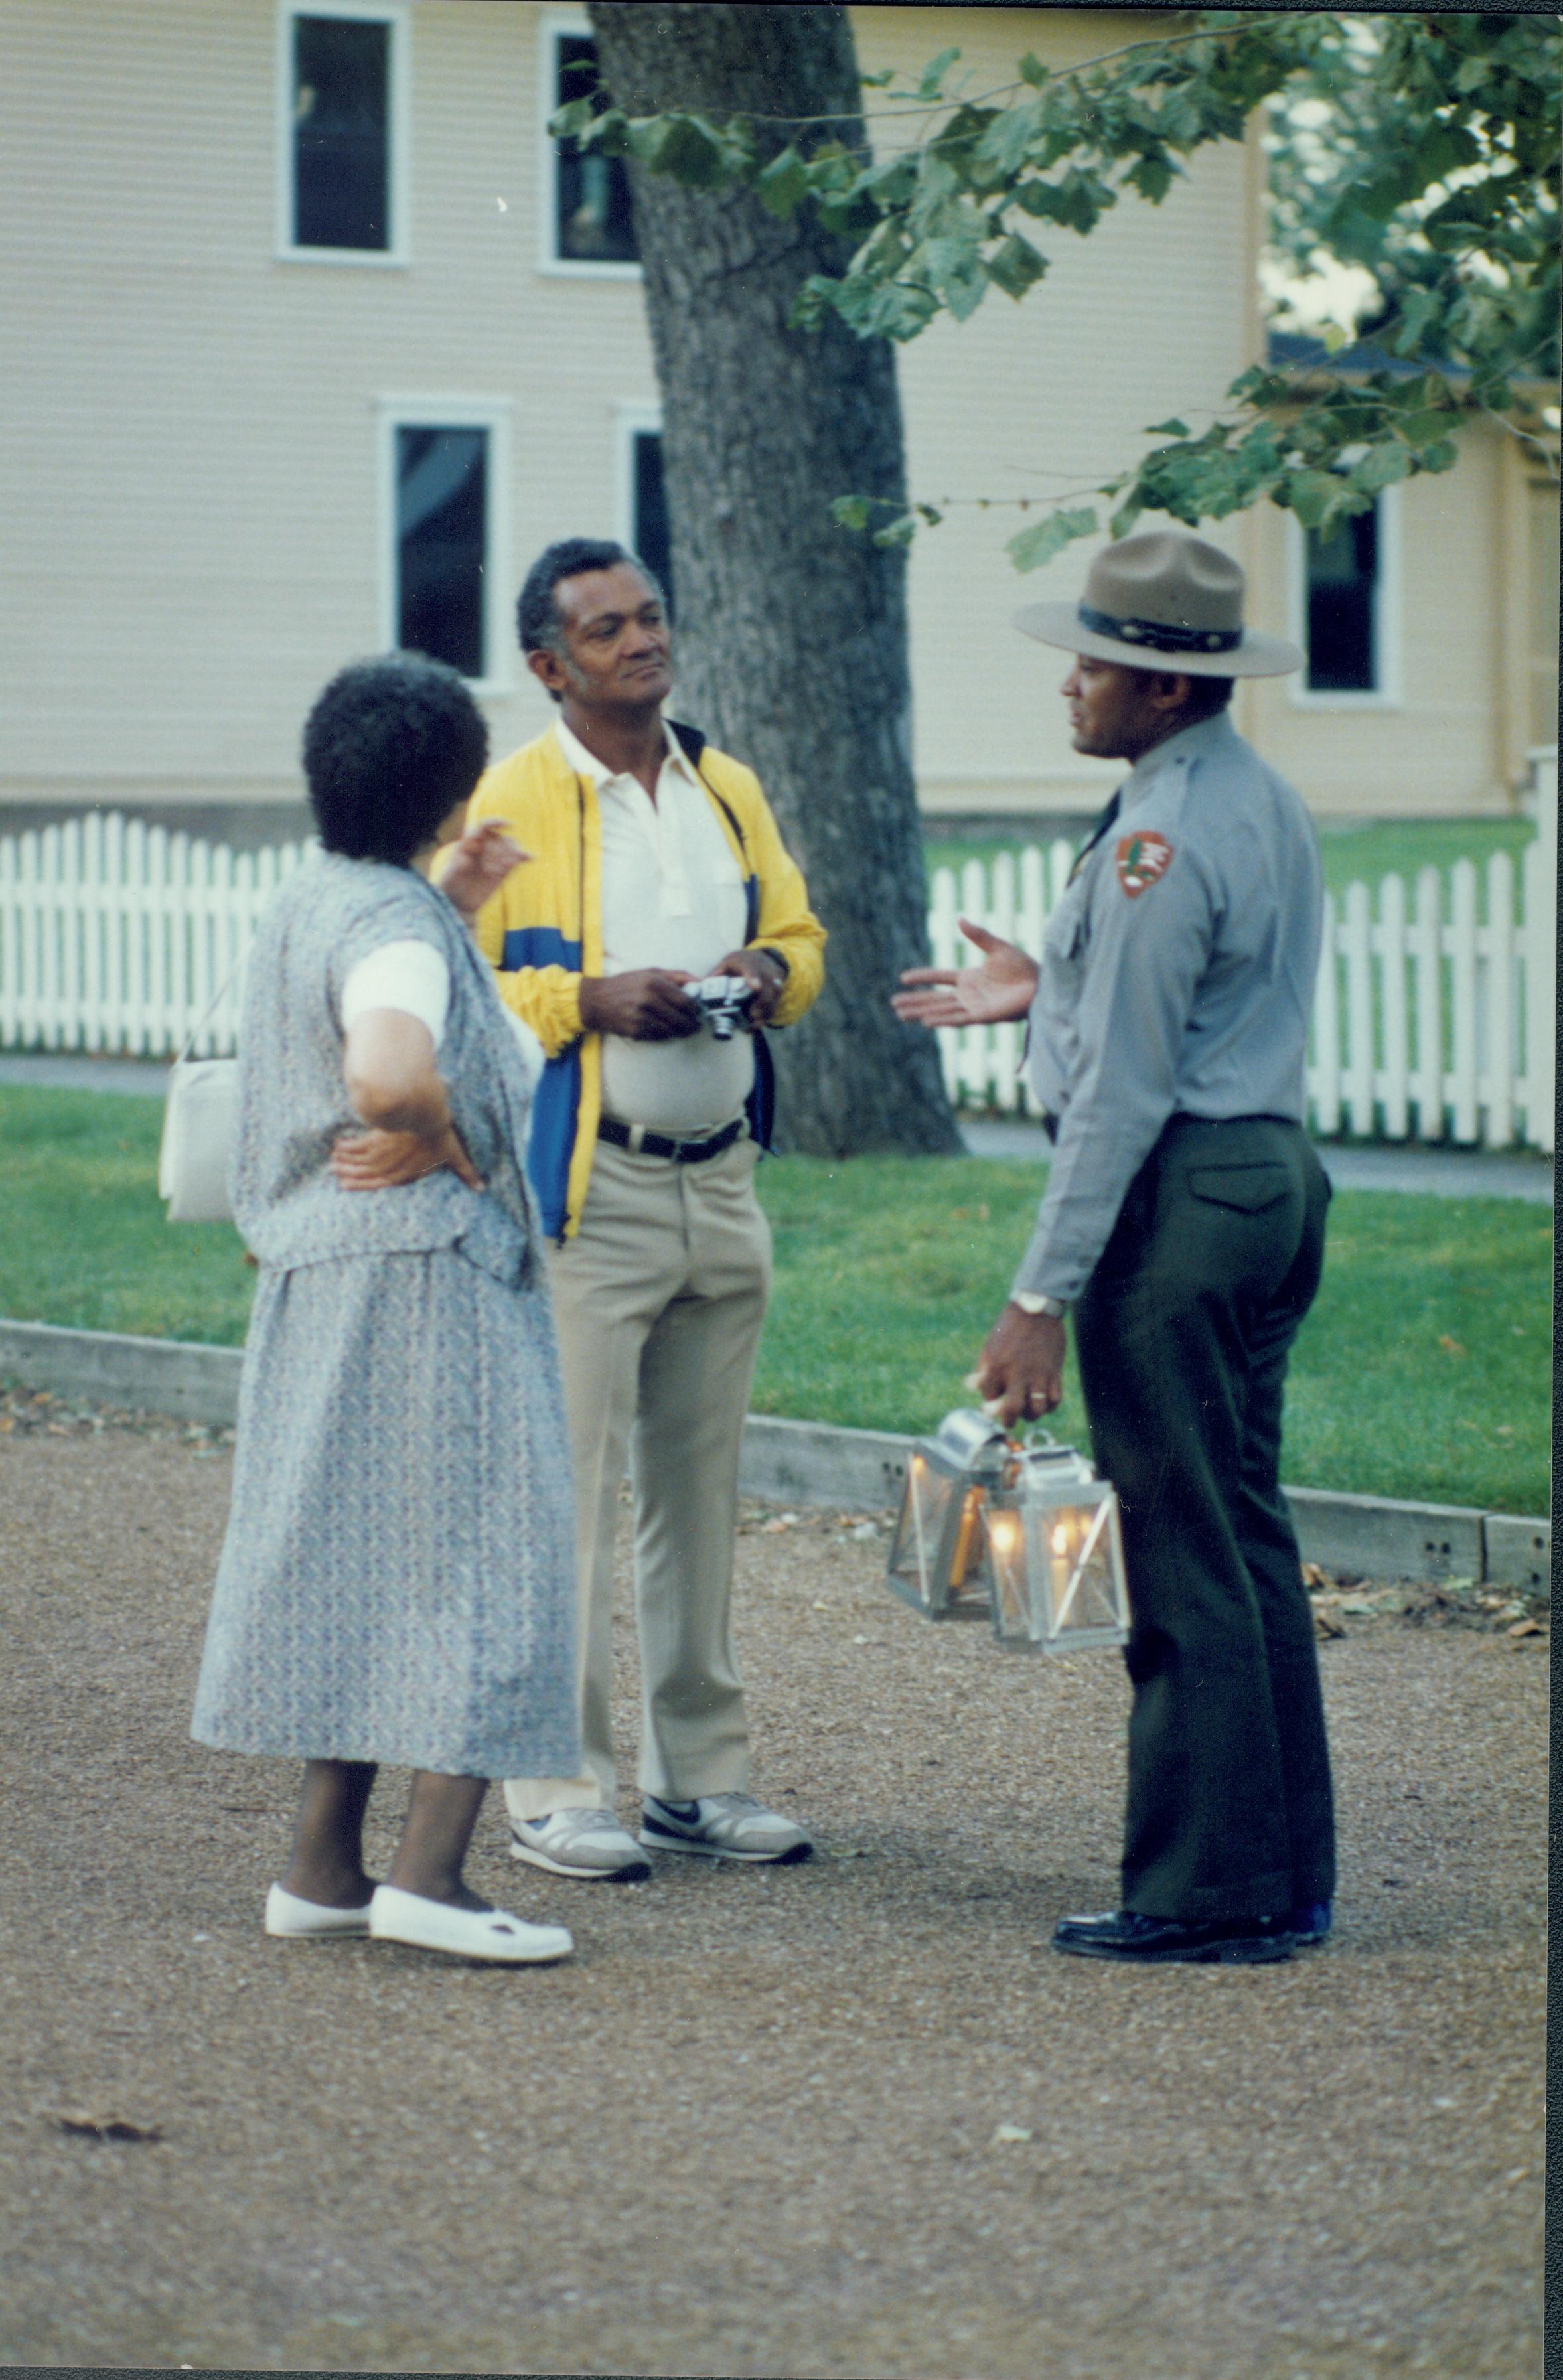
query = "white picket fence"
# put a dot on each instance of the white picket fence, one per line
(1433, 1021)
(118, 935)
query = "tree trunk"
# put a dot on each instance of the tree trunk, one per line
(792, 632)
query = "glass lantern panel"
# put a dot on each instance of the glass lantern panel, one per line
(1008, 1567)
(1082, 1571)
(919, 1533)
(963, 1588)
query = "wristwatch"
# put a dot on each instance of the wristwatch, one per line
(1030, 1302)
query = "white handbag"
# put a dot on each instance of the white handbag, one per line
(199, 1120)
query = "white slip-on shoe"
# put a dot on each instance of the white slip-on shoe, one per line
(490, 1933)
(586, 1843)
(723, 1826)
(312, 1921)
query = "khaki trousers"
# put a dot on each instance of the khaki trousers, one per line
(659, 1301)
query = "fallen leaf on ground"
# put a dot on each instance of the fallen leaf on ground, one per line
(1450, 1346)
(106, 2128)
(1327, 1624)
(1316, 1577)
(1526, 1628)
(1010, 2132)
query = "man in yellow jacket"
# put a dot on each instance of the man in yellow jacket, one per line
(655, 863)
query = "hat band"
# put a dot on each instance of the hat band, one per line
(1159, 636)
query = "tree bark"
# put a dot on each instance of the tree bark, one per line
(792, 631)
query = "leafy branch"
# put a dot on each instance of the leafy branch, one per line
(1420, 147)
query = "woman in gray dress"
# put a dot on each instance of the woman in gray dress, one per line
(396, 1583)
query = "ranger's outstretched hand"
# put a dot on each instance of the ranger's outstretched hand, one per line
(997, 992)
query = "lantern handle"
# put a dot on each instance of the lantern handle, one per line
(1037, 1441)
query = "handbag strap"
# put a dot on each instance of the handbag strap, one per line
(210, 1010)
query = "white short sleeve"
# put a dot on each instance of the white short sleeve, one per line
(411, 976)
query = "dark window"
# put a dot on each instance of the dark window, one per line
(341, 132)
(1343, 591)
(592, 219)
(650, 535)
(441, 538)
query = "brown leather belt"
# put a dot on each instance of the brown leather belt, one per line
(656, 1144)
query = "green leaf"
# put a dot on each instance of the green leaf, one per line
(1313, 496)
(1039, 544)
(1441, 457)
(1033, 70)
(684, 147)
(782, 184)
(851, 512)
(1014, 265)
(929, 513)
(565, 123)
(934, 73)
(1173, 428)
(1128, 513)
(1153, 177)
(1381, 467)
(898, 532)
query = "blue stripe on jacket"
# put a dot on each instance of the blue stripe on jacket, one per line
(556, 1102)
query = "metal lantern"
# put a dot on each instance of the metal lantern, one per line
(1054, 1553)
(938, 1559)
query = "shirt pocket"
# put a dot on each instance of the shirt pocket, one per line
(1247, 1188)
(1064, 943)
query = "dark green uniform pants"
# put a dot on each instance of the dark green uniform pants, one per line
(1182, 1334)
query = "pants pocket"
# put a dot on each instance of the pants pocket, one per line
(1248, 1189)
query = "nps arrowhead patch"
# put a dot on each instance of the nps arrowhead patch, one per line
(1141, 858)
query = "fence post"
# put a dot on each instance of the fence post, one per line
(1497, 1009)
(1391, 942)
(1324, 1073)
(1355, 938)
(1540, 945)
(1461, 946)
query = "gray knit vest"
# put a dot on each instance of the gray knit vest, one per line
(293, 1104)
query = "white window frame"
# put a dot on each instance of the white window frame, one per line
(551, 32)
(456, 411)
(633, 418)
(394, 13)
(1387, 695)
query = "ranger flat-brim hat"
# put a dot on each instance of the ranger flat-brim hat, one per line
(1162, 602)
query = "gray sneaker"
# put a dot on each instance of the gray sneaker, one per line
(586, 1843)
(723, 1826)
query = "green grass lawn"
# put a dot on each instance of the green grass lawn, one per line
(1424, 1370)
(1373, 849)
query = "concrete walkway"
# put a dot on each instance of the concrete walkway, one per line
(853, 2118)
(1437, 1172)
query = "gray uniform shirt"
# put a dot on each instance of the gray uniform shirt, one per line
(1176, 980)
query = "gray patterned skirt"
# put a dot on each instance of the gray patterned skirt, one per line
(398, 1579)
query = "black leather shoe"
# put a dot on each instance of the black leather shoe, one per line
(1158, 1941)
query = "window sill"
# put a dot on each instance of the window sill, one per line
(558, 267)
(376, 260)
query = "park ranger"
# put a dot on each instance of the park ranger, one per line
(1183, 1224)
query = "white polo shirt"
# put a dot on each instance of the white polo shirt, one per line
(673, 896)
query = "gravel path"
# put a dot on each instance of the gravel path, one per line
(847, 2119)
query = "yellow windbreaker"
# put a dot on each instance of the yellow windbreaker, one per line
(543, 931)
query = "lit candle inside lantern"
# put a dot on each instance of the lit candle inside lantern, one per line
(966, 1542)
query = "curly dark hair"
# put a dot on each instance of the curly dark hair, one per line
(390, 747)
(538, 619)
